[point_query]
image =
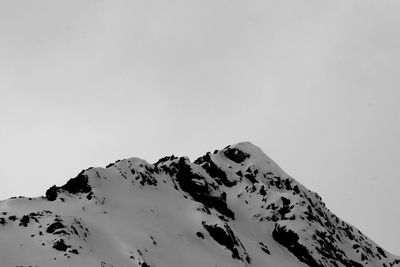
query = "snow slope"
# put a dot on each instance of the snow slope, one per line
(233, 207)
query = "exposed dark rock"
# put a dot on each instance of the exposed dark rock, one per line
(352, 263)
(51, 193)
(225, 237)
(164, 159)
(330, 252)
(60, 245)
(205, 158)
(264, 248)
(262, 191)
(147, 178)
(235, 154)
(110, 165)
(79, 184)
(197, 187)
(105, 264)
(24, 221)
(278, 182)
(34, 216)
(290, 240)
(250, 176)
(288, 185)
(54, 226)
(397, 261)
(380, 250)
(200, 235)
(217, 173)
(89, 196)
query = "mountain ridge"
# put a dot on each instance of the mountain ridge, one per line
(232, 207)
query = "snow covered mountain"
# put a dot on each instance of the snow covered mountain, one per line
(233, 207)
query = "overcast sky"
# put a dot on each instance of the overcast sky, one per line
(314, 84)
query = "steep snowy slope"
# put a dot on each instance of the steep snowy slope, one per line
(234, 207)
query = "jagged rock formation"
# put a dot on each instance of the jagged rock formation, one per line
(233, 207)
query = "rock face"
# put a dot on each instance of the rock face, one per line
(79, 184)
(290, 240)
(224, 235)
(233, 207)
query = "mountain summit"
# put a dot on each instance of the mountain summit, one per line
(232, 207)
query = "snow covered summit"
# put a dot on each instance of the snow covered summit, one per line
(232, 207)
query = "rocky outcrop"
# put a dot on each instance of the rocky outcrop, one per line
(291, 241)
(224, 235)
(201, 189)
(79, 184)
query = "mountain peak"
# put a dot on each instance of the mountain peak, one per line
(257, 158)
(232, 207)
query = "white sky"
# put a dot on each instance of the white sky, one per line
(314, 84)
